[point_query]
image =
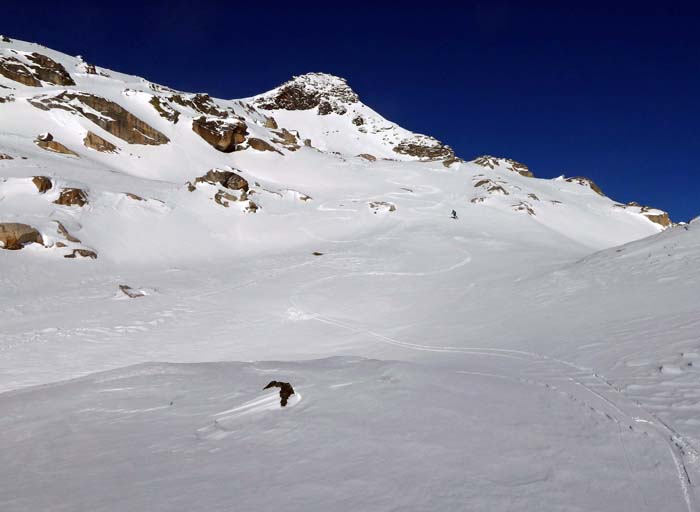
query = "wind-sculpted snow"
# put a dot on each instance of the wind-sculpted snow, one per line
(540, 343)
(357, 433)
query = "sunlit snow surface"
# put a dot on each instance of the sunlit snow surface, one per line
(501, 361)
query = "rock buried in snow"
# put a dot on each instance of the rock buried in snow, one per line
(286, 390)
(130, 292)
(94, 141)
(72, 196)
(15, 236)
(45, 141)
(227, 179)
(84, 253)
(43, 183)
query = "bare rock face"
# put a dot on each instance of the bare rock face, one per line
(112, 116)
(83, 253)
(261, 145)
(271, 123)
(223, 136)
(424, 148)
(368, 157)
(662, 219)
(43, 183)
(510, 165)
(42, 69)
(200, 103)
(72, 197)
(94, 141)
(327, 93)
(14, 69)
(15, 236)
(586, 182)
(288, 139)
(7, 99)
(48, 70)
(45, 141)
(286, 390)
(164, 109)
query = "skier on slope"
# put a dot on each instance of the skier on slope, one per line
(454, 215)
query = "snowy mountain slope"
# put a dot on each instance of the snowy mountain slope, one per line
(175, 150)
(513, 359)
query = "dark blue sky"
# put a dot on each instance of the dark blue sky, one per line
(609, 92)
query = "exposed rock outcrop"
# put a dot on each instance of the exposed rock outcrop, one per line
(226, 179)
(288, 139)
(48, 70)
(327, 93)
(72, 197)
(94, 141)
(662, 218)
(368, 157)
(164, 109)
(424, 148)
(106, 114)
(586, 182)
(14, 236)
(261, 145)
(42, 183)
(14, 69)
(200, 103)
(4, 156)
(222, 135)
(491, 187)
(83, 253)
(42, 68)
(46, 141)
(511, 165)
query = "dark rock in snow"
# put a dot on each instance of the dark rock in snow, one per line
(286, 390)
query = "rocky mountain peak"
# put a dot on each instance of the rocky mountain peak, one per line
(327, 93)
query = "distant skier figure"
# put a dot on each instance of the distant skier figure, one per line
(286, 390)
(454, 215)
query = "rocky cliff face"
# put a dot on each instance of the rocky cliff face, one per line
(106, 114)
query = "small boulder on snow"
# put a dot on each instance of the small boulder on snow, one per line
(14, 236)
(286, 390)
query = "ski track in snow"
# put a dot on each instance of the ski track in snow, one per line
(680, 449)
